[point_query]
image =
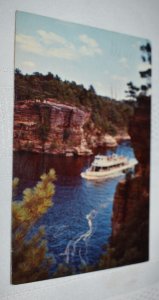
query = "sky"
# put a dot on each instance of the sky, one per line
(89, 56)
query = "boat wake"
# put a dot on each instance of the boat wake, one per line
(60, 231)
(75, 246)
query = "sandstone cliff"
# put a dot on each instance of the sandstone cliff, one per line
(133, 191)
(48, 126)
(56, 128)
(131, 205)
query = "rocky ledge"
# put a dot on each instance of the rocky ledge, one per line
(56, 128)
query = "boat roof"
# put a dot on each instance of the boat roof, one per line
(103, 160)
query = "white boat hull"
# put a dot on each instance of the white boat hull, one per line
(94, 175)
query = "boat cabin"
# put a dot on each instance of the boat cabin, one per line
(106, 163)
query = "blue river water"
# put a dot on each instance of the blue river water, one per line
(79, 223)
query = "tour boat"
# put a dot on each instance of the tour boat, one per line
(108, 166)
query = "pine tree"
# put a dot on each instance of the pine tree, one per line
(132, 92)
(146, 74)
(30, 261)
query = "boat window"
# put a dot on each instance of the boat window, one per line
(97, 169)
(106, 168)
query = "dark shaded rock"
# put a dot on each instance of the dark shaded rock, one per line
(130, 220)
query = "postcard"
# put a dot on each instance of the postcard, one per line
(81, 149)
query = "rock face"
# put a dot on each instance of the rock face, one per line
(48, 127)
(56, 128)
(132, 194)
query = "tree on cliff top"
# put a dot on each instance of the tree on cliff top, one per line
(106, 114)
(30, 261)
(132, 90)
(145, 74)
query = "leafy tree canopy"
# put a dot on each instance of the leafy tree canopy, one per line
(107, 114)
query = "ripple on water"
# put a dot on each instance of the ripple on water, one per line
(79, 223)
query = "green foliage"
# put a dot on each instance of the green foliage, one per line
(132, 92)
(30, 261)
(107, 115)
(146, 74)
